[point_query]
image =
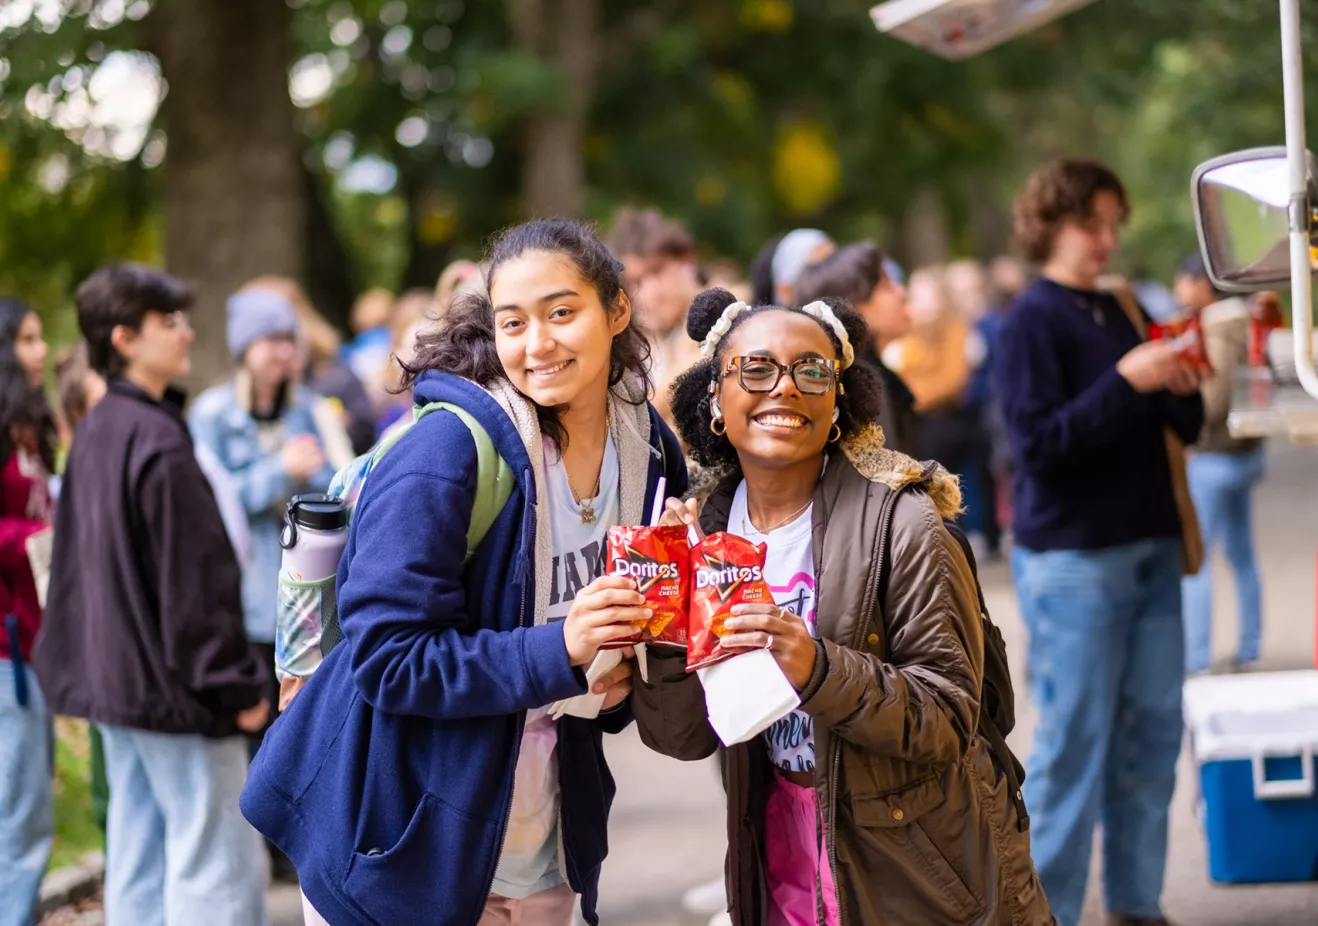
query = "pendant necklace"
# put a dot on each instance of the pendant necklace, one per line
(587, 505)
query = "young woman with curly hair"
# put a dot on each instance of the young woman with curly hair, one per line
(875, 802)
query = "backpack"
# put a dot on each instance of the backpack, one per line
(997, 700)
(494, 485)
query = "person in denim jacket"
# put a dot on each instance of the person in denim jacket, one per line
(265, 431)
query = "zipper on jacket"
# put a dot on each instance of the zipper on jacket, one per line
(517, 745)
(867, 609)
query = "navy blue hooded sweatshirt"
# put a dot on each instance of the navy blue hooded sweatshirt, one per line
(388, 781)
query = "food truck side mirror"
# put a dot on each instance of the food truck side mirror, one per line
(1240, 207)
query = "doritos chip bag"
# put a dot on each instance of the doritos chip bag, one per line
(726, 570)
(658, 559)
(1186, 334)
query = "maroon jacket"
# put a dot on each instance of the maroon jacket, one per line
(24, 510)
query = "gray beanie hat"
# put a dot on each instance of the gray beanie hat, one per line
(255, 314)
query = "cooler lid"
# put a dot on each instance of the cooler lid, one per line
(960, 29)
(1254, 714)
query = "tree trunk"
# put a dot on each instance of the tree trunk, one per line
(925, 237)
(567, 34)
(331, 283)
(234, 196)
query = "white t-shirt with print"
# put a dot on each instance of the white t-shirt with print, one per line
(789, 569)
(529, 862)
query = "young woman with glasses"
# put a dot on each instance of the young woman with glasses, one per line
(874, 802)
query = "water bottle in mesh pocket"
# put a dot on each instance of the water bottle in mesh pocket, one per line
(307, 625)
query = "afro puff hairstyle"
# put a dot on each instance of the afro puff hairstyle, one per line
(858, 406)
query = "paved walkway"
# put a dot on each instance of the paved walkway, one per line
(666, 833)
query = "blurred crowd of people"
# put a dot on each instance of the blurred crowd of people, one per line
(932, 335)
(160, 512)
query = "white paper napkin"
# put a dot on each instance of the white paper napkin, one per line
(745, 695)
(588, 705)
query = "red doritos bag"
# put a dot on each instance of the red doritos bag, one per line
(1186, 334)
(659, 560)
(726, 570)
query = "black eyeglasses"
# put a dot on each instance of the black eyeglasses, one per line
(812, 375)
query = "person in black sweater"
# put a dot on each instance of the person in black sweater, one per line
(1097, 566)
(143, 633)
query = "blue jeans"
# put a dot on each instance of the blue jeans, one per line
(178, 851)
(1106, 664)
(27, 823)
(1222, 485)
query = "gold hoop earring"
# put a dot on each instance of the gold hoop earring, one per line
(718, 426)
(834, 434)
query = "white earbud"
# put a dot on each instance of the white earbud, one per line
(715, 409)
(836, 415)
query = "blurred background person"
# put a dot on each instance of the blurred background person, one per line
(779, 264)
(324, 372)
(972, 294)
(1159, 302)
(369, 348)
(262, 427)
(1100, 548)
(458, 276)
(144, 632)
(1008, 278)
(932, 358)
(856, 273)
(1223, 471)
(80, 388)
(760, 273)
(662, 275)
(936, 361)
(722, 273)
(411, 311)
(27, 458)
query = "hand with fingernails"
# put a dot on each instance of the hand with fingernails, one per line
(756, 626)
(782, 633)
(678, 513)
(602, 611)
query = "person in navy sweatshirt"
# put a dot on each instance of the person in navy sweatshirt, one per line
(1097, 565)
(419, 777)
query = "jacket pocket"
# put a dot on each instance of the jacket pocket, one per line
(429, 875)
(903, 827)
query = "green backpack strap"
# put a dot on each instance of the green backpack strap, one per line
(494, 477)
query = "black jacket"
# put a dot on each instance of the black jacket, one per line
(144, 623)
(898, 418)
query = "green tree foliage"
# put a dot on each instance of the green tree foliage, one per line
(742, 117)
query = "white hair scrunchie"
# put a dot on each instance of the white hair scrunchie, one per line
(721, 328)
(821, 311)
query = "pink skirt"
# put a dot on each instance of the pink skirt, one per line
(796, 858)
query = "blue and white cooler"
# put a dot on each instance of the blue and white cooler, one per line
(1254, 738)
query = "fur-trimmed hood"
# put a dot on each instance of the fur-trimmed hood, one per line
(873, 459)
(878, 463)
